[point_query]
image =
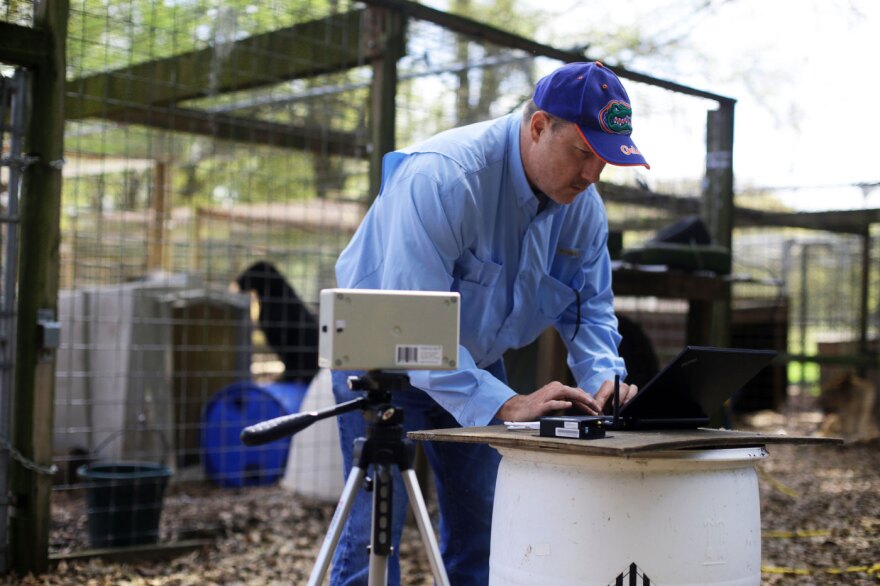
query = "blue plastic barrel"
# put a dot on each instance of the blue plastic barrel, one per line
(226, 460)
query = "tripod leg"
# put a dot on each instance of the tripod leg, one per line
(420, 512)
(380, 541)
(346, 501)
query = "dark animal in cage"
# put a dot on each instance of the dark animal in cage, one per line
(637, 352)
(291, 330)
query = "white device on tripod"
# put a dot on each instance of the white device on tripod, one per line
(384, 333)
(371, 329)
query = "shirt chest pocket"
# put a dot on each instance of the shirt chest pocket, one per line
(560, 289)
(472, 272)
(481, 309)
(551, 299)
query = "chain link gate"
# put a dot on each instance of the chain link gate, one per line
(11, 165)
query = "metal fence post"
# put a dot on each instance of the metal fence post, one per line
(33, 404)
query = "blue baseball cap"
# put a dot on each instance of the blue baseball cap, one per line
(591, 96)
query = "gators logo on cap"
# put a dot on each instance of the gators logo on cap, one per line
(616, 118)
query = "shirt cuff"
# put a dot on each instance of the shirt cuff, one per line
(472, 396)
(592, 384)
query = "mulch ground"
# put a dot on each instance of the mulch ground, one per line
(820, 511)
(820, 518)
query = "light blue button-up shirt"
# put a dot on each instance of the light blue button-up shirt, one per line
(456, 213)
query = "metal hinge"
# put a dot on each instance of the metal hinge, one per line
(49, 333)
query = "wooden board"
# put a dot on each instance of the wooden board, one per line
(615, 443)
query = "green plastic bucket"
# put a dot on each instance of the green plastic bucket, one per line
(124, 501)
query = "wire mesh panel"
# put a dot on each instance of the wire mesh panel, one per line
(827, 284)
(12, 98)
(215, 167)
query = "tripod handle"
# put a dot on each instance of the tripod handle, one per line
(287, 425)
(273, 429)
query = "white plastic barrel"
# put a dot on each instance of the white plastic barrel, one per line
(687, 517)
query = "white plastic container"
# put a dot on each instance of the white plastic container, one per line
(314, 465)
(687, 517)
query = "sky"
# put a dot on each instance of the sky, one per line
(808, 98)
(803, 73)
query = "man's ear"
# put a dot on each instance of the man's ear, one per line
(538, 124)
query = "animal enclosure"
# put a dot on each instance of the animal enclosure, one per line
(217, 157)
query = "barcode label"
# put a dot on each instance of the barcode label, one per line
(567, 432)
(413, 355)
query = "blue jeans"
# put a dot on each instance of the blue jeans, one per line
(464, 477)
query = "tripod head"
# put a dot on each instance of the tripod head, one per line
(376, 403)
(379, 381)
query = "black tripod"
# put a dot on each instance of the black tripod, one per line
(384, 447)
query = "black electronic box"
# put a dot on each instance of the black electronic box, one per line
(573, 426)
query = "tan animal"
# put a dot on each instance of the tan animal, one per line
(849, 403)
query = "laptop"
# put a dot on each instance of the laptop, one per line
(687, 391)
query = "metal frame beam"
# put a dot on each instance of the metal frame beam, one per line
(246, 130)
(24, 46)
(484, 32)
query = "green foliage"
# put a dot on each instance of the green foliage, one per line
(17, 11)
(804, 373)
(514, 16)
(107, 34)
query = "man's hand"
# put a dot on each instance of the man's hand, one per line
(550, 398)
(606, 394)
(555, 397)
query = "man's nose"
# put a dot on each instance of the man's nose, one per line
(592, 169)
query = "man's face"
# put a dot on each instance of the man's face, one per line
(557, 160)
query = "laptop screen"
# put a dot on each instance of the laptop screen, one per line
(693, 386)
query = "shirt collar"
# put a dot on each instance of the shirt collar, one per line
(525, 195)
(523, 191)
